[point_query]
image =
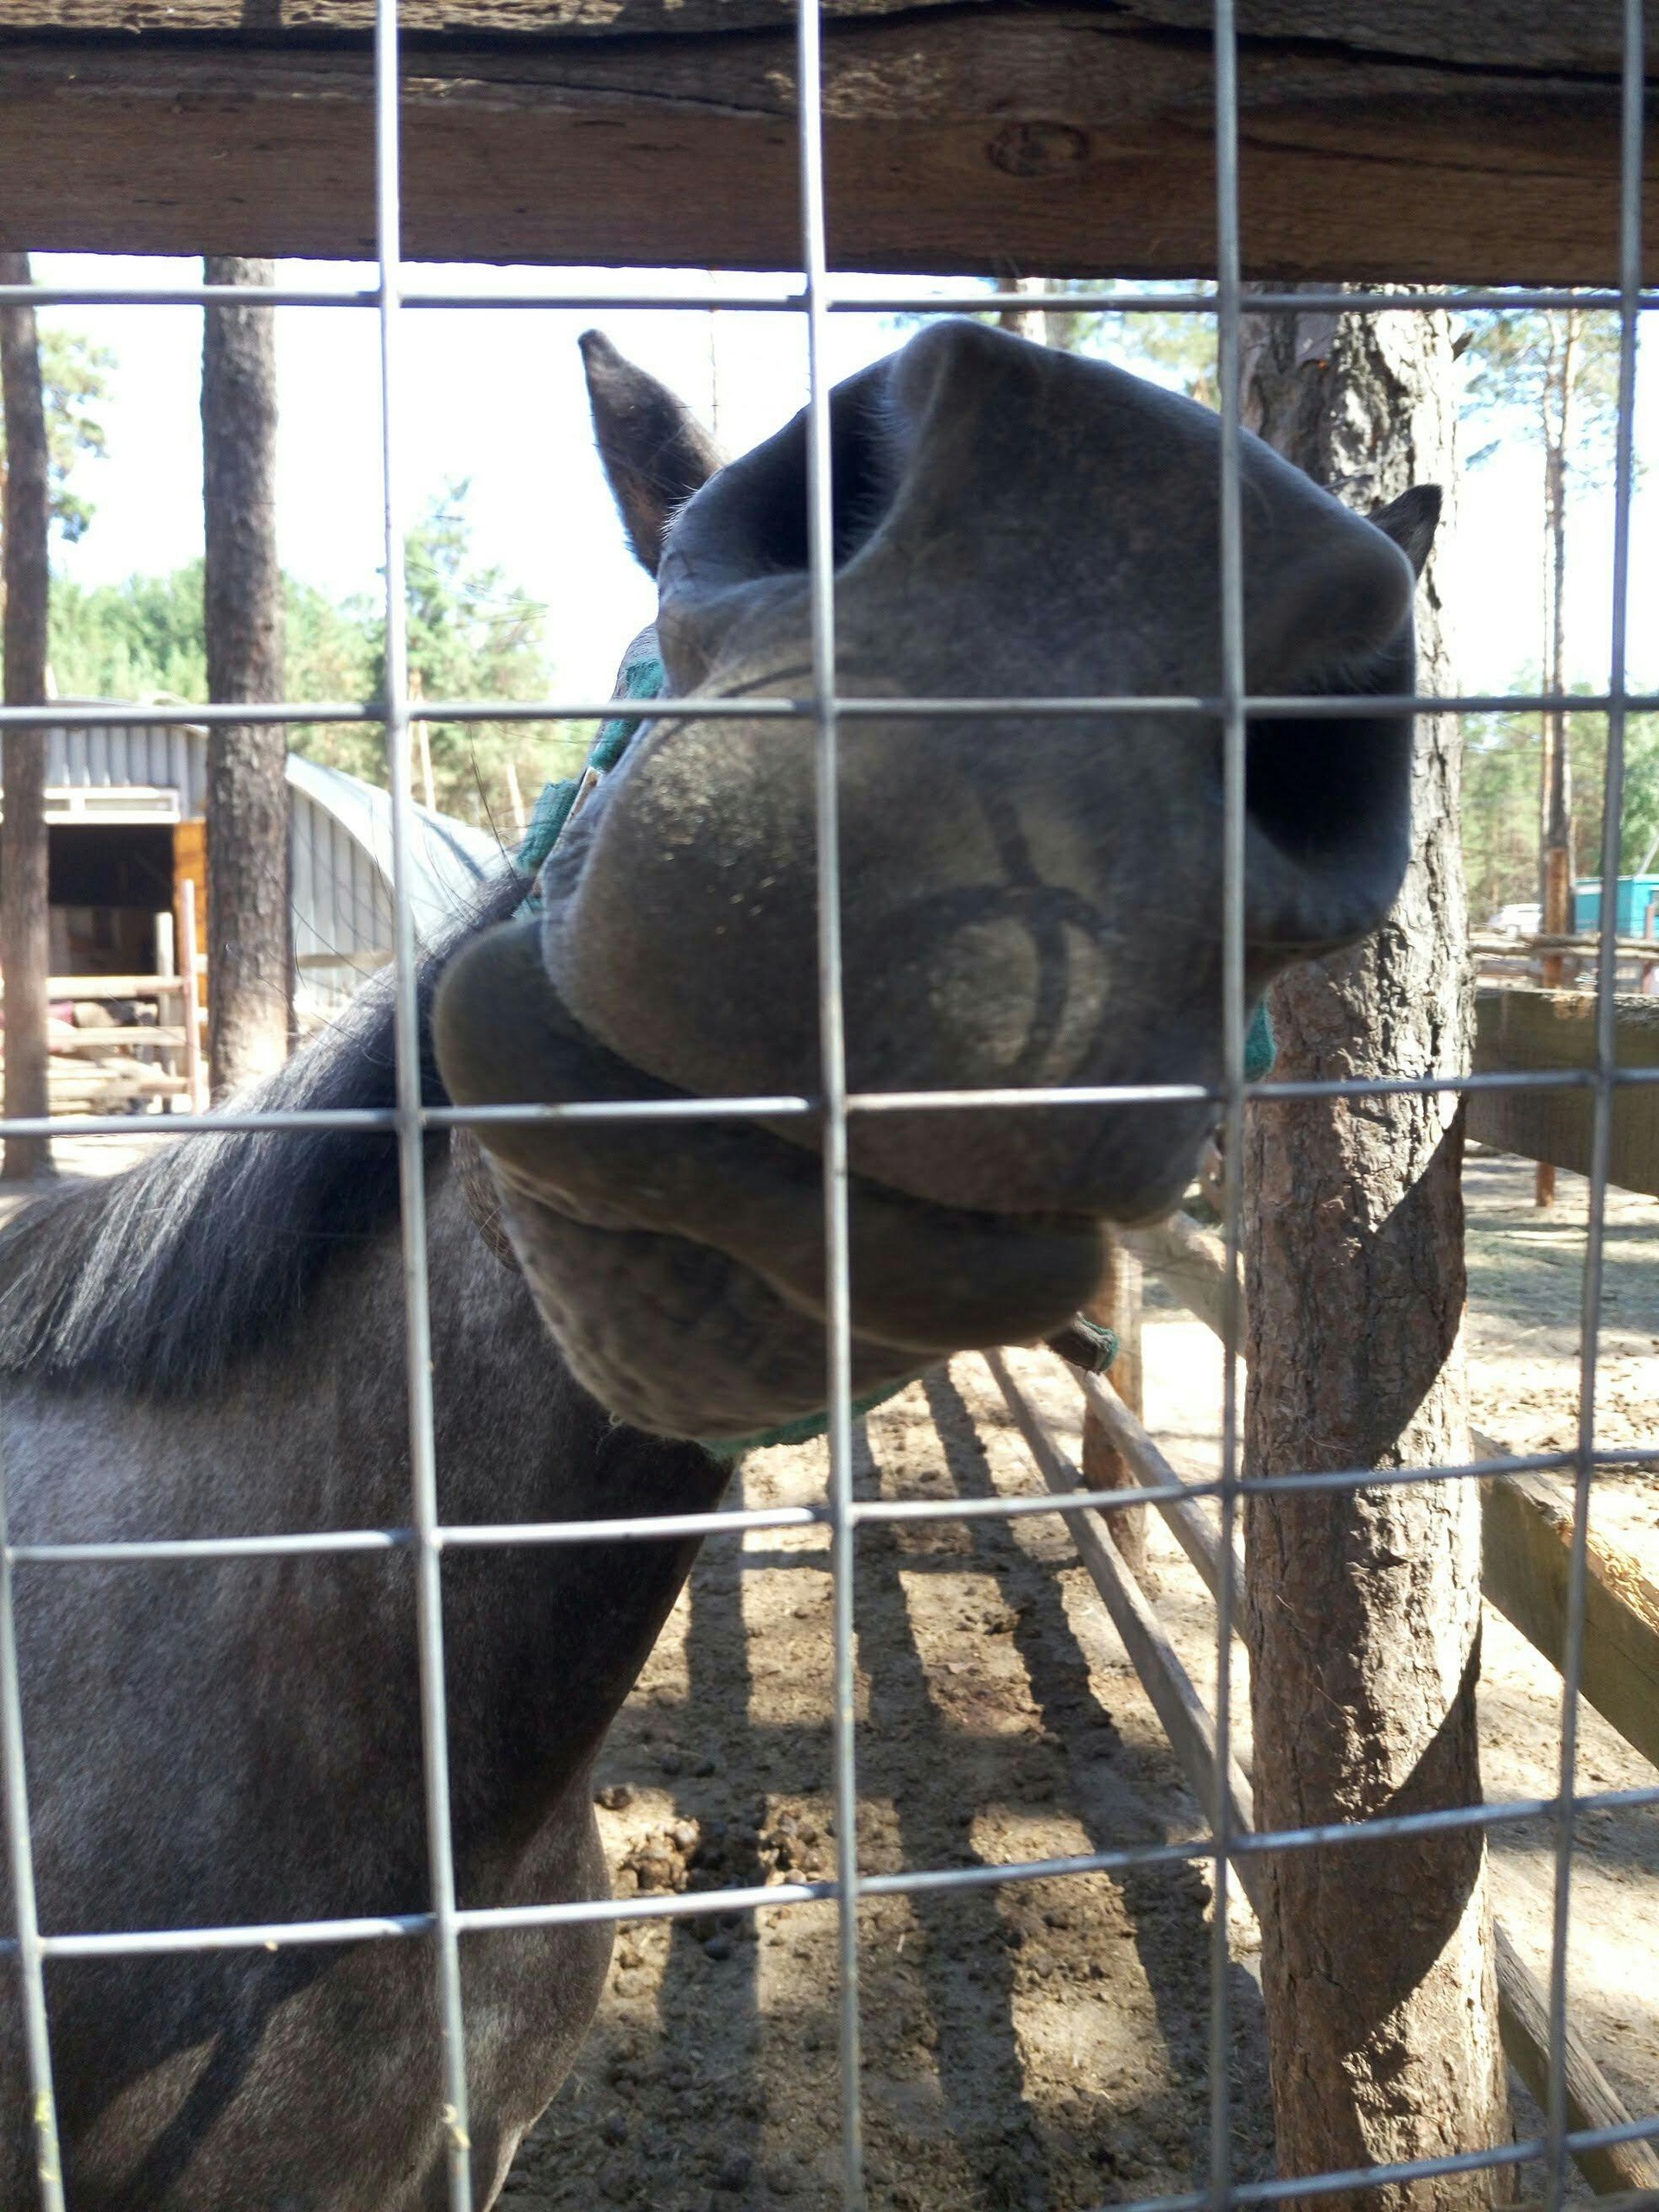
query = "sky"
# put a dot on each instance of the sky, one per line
(497, 397)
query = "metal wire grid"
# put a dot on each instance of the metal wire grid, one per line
(446, 1922)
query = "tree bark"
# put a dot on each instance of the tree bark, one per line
(1555, 797)
(250, 958)
(1364, 1605)
(25, 939)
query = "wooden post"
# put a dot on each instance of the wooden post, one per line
(190, 997)
(25, 946)
(1363, 1606)
(1105, 1467)
(166, 964)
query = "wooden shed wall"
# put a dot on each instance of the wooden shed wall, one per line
(1383, 139)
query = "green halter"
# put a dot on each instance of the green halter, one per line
(643, 677)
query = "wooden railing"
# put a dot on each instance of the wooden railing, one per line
(1533, 1031)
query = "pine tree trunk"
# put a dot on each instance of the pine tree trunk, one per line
(25, 939)
(1364, 1605)
(1555, 807)
(249, 956)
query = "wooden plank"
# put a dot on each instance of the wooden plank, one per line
(1191, 1262)
(1186, 1720)
(979, 137)
(1592, 2101)
(1528, 36)
(1532, 1030)
(1198, 1535)
(113, 987)
(1527, 1533)
(1105, 1467)
(101, 1041)
(195, 1067)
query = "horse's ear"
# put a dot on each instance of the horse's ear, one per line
(655, 453)
(1411, 521)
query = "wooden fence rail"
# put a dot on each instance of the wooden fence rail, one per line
(1539, 1030)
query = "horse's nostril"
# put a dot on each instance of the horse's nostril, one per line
(1330, 795)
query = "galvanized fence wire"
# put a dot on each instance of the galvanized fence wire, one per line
(1632, 91)
(1234, 1020)
(447, 1920)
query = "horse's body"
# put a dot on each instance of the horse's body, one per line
(228, 1742)
(214, 1344)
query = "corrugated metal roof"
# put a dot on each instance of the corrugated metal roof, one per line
(448, 859)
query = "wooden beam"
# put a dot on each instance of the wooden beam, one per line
(1527, 1529)
(1186, 1720)
(1456, 142)
(1536, 1030)
(1592, 2101)
(1192, 1263)
(1188, 1523)
(113, 987)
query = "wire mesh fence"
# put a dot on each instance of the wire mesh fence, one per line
(448, 1921)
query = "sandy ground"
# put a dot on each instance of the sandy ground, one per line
(1036, 2044)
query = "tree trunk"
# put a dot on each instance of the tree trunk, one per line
(1024, 322)
(1555, 798)
(247, 933)
(1364, 1605)
(25, 939)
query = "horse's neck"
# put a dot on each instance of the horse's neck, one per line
(535, 1628)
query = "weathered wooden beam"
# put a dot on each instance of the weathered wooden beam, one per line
(1186, 1720)
(1527, 1533)
(1191, 1527)
(1527, 1029)
(1191, 1262)
(1393, 142)
(1592, 2101)
(1528, 36)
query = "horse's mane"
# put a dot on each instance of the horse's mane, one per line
(154, 1280)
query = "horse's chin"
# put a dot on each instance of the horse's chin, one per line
(680, 1261)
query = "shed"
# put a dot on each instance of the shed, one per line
(125, 807)
(1636, 913)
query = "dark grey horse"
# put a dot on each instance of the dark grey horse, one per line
(213, 1342)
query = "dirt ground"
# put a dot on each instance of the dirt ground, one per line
(1038, 2045)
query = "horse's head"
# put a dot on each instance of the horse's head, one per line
(1027, 898)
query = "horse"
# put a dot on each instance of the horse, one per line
(213, 1343)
